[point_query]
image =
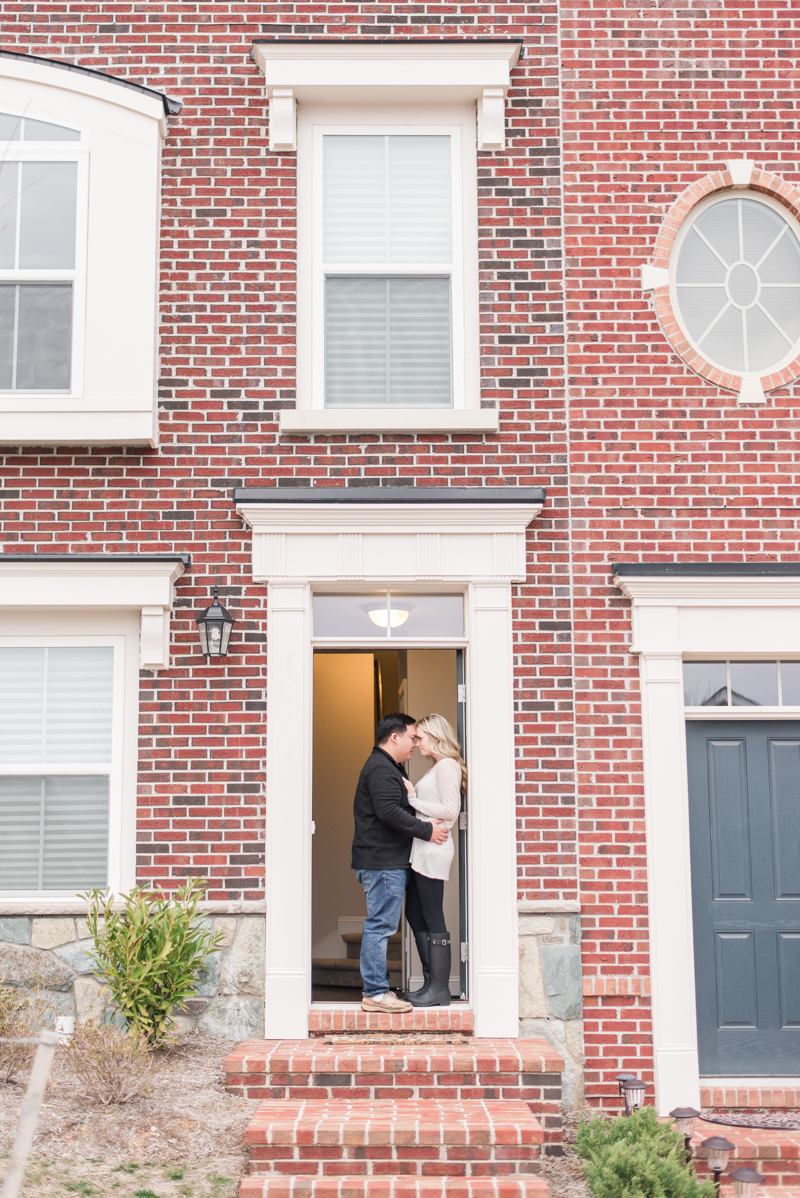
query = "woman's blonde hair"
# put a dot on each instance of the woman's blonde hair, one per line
(444, 741)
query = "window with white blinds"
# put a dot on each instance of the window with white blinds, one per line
(56, 708)
(389, 269)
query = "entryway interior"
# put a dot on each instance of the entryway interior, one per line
(353, 689)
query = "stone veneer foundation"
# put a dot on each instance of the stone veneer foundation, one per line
(550, 985)
(57, 948)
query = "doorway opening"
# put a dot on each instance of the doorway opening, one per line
(353, 689)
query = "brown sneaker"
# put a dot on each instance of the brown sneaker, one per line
(389, 1003)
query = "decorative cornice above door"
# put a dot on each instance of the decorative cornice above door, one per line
(413, 537)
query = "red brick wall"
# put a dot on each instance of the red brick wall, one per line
(227, 367)
(664, 466)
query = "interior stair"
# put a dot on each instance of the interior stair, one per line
(343, 972)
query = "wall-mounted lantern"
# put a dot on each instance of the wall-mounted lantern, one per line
(215, 625)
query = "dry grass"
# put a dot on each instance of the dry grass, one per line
(188, 1124)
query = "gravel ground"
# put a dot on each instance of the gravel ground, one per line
(564, 1174)
(183, 1140)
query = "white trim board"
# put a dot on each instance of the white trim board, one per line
(677, 617)
(479, 549)
(144, 586)
(372, 73)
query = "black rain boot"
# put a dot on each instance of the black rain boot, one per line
(421, 940)
(438, 992)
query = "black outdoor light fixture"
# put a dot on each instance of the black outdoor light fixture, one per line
(746, 1182)
(684, 1117)
(718, 1149)
(214, 626)
(624, 1077)
(633, 1092)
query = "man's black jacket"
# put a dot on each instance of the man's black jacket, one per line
(385, 823)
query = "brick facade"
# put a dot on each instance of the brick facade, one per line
(641, 458)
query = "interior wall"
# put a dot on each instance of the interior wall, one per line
(432, 688)
(344, 712)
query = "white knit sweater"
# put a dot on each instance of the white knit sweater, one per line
(438, 797)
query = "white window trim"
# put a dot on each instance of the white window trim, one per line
(453, 270)
(677, 618)
(113, 399)
(57, 151)
(310, 416)
(408, 81)
(143, 586)
(116, 871)
(749, 377)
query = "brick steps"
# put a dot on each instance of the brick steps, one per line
(773, 1153)
(751, 1097)
(527, 1070)
(398, 1186)
(412, 1137)
(324, 1020)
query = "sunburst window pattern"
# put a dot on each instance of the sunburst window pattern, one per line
(738, 285)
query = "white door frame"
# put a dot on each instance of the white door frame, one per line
(675, 617)
(475, 547)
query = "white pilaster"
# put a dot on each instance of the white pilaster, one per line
(288, 822)
(494, 949)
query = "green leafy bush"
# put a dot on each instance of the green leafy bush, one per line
(148, 954)
(631, 1169)
(643, 1126)
(638, 1156)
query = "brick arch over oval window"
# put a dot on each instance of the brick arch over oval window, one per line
(737, 178)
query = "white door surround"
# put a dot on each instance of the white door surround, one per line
(685, 611)
(466, 539)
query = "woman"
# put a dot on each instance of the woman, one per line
(437, 796)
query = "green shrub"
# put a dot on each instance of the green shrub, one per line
(148, 954)
(630, 1169)
(643, 1126)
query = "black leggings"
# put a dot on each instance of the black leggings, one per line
(424, 898)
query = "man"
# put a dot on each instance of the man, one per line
(385, 828)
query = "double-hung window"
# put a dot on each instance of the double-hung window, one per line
(59, 766)
(388, 268)
(43, 210)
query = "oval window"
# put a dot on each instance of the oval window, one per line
(737, 284)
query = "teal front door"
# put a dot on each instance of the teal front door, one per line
(744, 807)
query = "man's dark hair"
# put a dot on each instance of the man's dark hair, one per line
(396, 722)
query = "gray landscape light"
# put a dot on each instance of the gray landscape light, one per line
(684, 1117)
(718, 1149)
(633, 1092)
(746, 1182)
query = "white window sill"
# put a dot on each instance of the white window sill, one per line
(395, 420)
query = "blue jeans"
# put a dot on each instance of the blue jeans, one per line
(384, 889)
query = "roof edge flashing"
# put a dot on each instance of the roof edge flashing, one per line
(385, 495)
(171, 107)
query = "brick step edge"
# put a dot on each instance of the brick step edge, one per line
(324, 1021)
(393, 1187)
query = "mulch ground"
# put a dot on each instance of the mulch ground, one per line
(185, 1139)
